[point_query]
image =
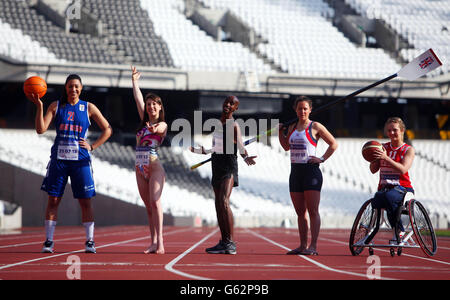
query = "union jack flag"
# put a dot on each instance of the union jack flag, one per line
(426, 62)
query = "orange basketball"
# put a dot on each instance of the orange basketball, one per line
(35, 85)
(369, 148)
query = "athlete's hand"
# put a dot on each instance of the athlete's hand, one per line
(314, 160)
(84, 144)
(35, 99)
(380, 154)
(135, 75)
(152, 128)
(200, 150)
(250, 160)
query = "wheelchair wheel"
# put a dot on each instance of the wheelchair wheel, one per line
(362, 226)
(422, 227)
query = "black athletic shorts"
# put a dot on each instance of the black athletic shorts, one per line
(305, 177)
(223, 166)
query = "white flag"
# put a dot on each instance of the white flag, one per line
(421, 65)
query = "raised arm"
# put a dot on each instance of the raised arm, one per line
(138, 97)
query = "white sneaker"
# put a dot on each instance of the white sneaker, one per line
(48, 247)
(393, 241)
(90, 247)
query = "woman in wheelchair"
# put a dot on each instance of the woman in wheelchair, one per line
(393, 162)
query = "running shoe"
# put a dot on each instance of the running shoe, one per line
(48, 247)
(223, 248)
(90, 247)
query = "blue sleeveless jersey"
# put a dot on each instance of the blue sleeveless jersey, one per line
(72, 123)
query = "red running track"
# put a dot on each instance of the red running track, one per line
(261, 256)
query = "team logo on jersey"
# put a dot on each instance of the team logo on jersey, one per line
(81, 107)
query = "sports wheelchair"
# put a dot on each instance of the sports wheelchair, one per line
(419, 231)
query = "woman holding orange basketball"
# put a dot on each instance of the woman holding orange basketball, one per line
(393, 161)
(150, 175)
(70, 155)
(305, 180)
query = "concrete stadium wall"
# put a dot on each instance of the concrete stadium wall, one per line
(118, 76)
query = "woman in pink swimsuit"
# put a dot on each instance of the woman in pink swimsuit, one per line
(150, 175)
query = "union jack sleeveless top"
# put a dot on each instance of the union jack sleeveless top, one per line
(389, 175)
(302, 145)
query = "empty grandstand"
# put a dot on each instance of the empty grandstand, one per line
(263, 196)
(296, 37)
(194, 52)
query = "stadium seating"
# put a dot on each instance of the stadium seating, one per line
(66, 47)
(347, 179)
(22, 48)
(299, 37)
(111, 179)
(131, 31)
(263, 190)
(424, 24)
(191, 48)
(304, 42)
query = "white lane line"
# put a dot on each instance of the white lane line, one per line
(403, 254)
(36, 234)
(82, 250)
(384, 250)
(170, 266)
(325, 267)
(39, 233)
(68, 239)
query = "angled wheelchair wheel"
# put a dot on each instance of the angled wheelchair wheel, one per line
(362, 226)
(422, 227)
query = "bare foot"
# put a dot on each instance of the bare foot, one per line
(160, 250)
(296, 251)
(151, 249)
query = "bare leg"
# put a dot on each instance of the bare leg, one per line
(51, 212)
(143, 187)
(223, 210)
(87, 217)
(87, 213)
(312, 199)
(51, 216)
(298, 200)
(156, 184)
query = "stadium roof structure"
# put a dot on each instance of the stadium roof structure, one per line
(118, 76)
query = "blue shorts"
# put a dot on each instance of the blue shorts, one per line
(81, 178)
(391, 199)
